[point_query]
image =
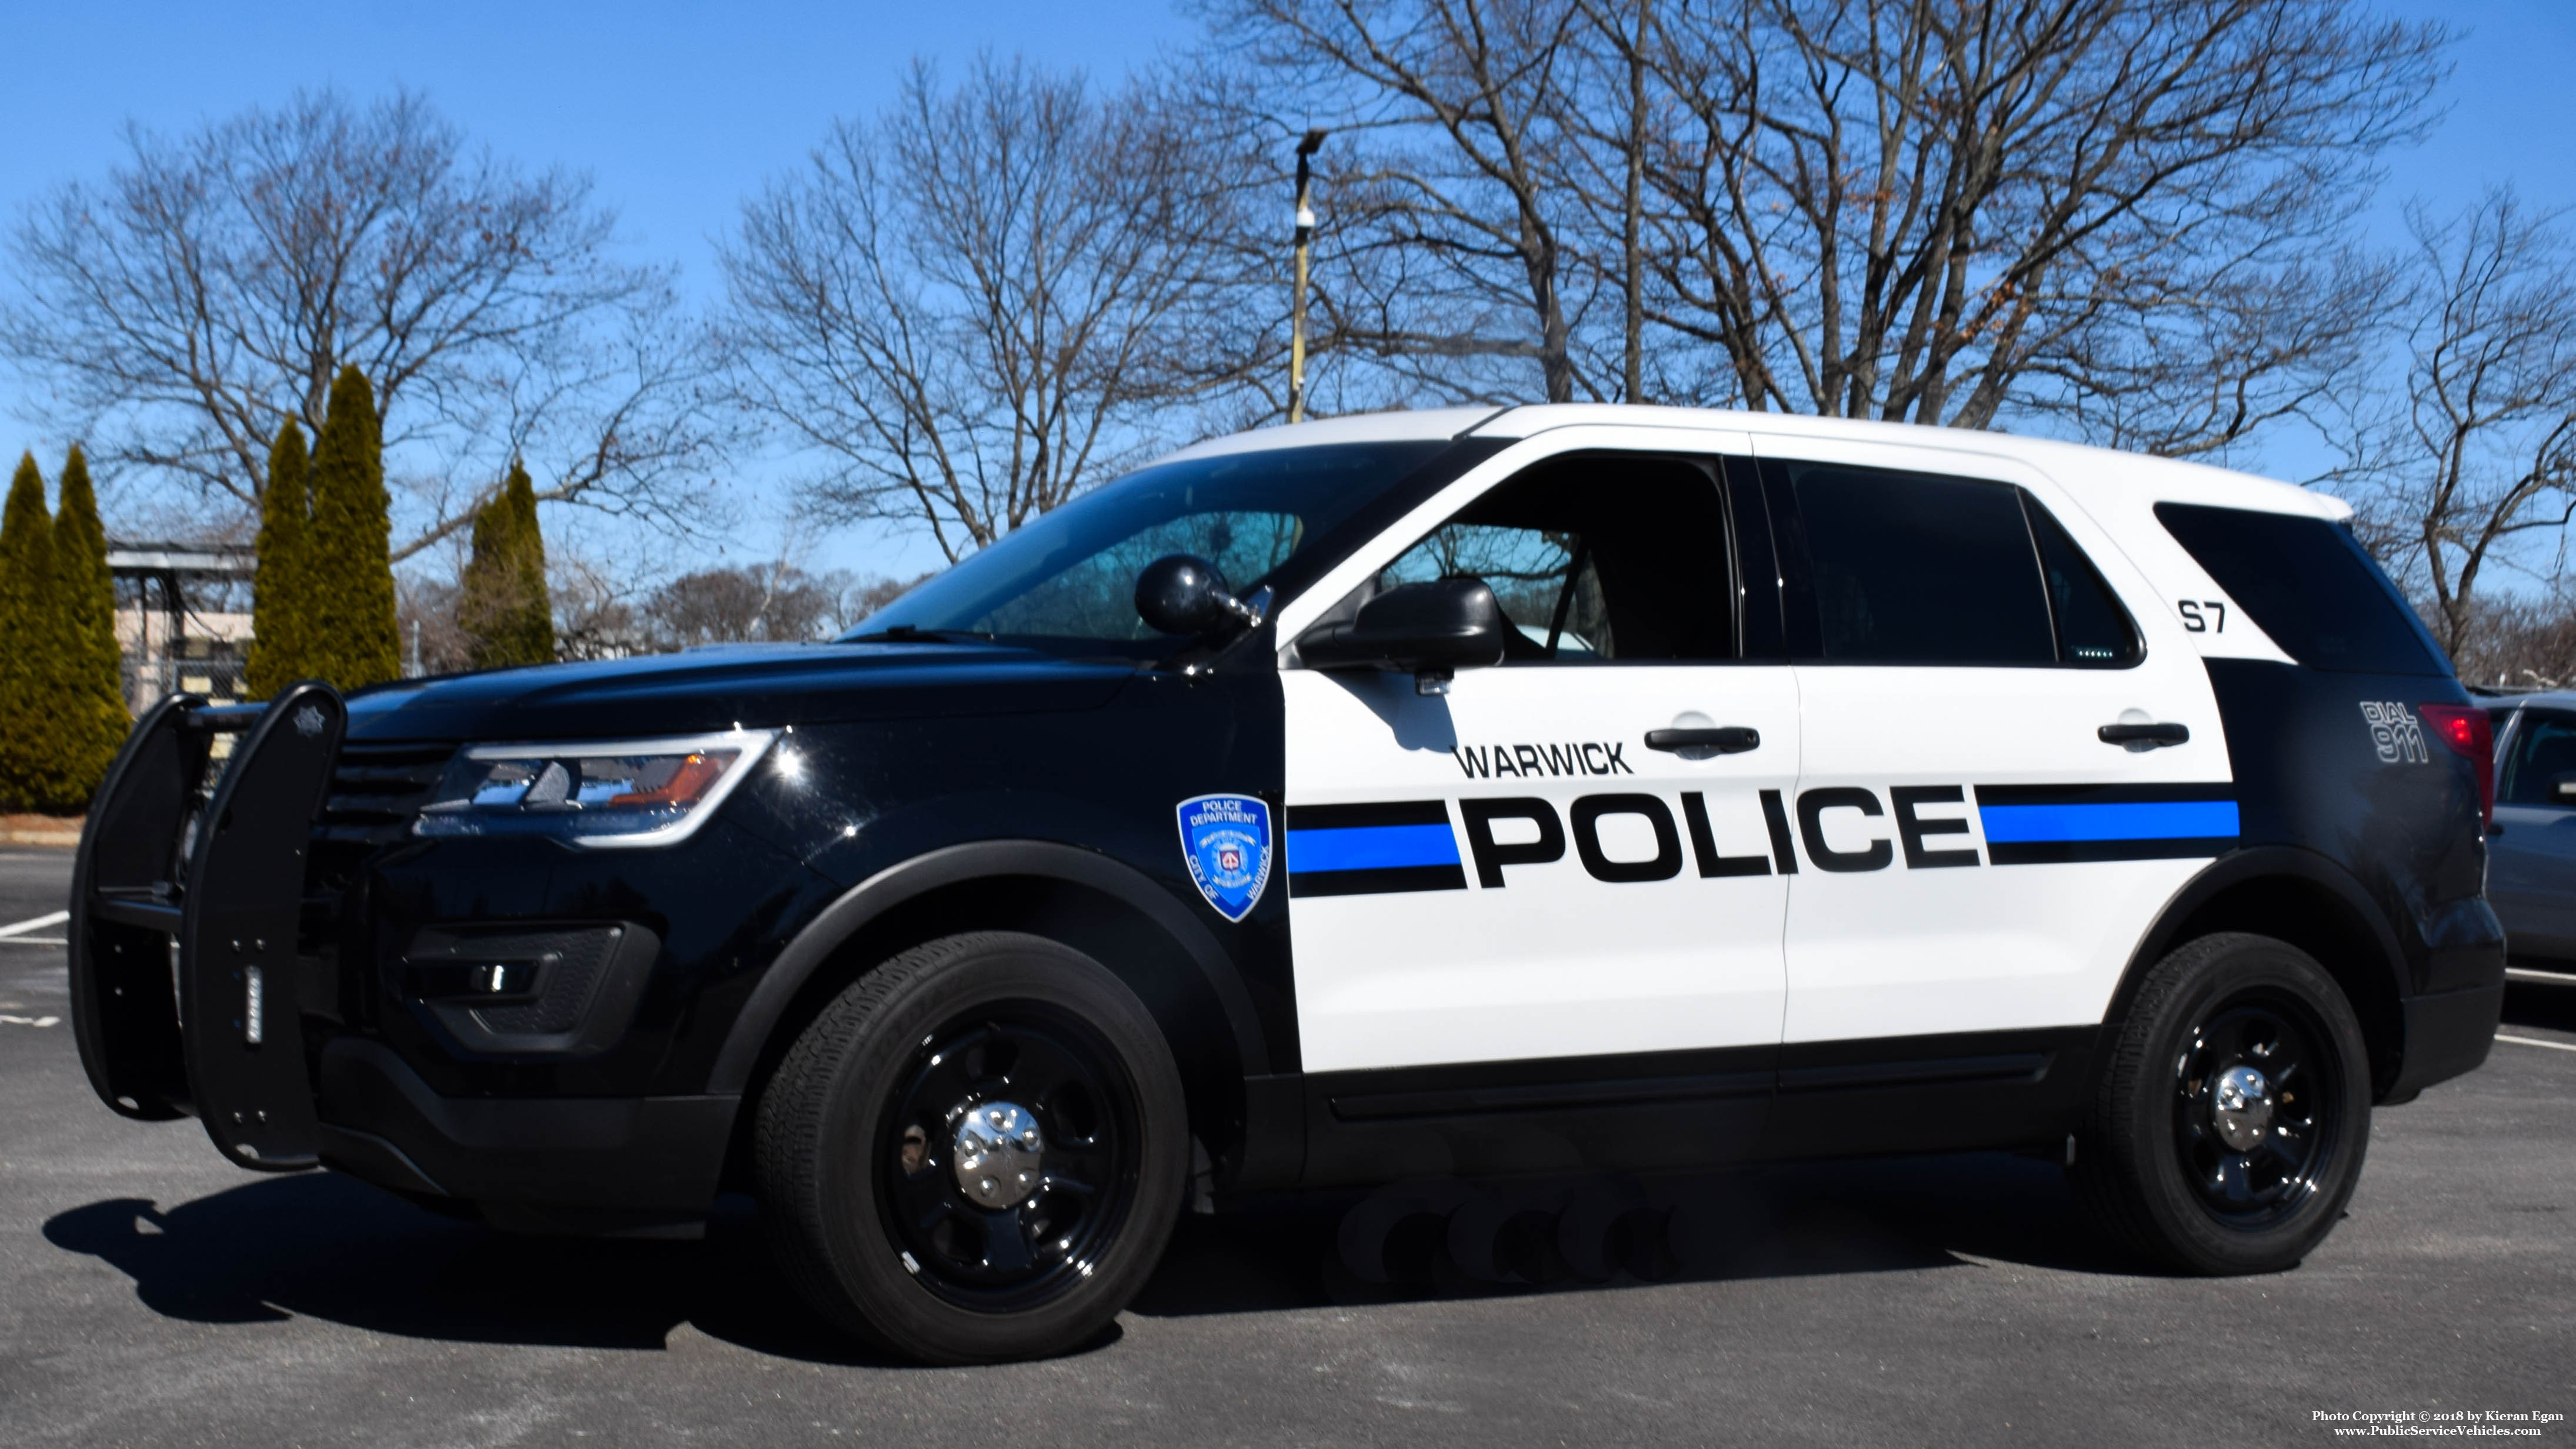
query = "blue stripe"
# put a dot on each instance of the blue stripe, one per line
(1371, 847)
(2163, 820)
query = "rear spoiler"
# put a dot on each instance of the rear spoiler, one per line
(184, 910)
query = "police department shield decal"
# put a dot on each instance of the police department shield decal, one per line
(1226, 840)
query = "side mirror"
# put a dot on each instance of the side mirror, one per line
(1184, 594)
(1430, 630)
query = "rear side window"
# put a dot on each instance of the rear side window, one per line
(1919, 568)
(2092, 628)
(2544, 751)
(1910, 568)
(2309, 585)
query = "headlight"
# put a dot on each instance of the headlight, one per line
(606, 794)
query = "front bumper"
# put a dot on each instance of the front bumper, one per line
(536, 1163)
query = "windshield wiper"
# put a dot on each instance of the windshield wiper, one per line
(914, 634)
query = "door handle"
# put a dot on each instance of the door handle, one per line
(1725, 739)
(2144, 734)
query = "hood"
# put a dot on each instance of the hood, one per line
(747, 684)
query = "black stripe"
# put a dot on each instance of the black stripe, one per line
(1374, 812)
(2059, 852)
(1377, 882)
(1543, 1096)
(2014, 1067)
(2101, 794)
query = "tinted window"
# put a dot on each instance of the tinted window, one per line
(2092, 627)
(2544, 748)
(2308, 584)
(1914, 568)
(1067, 581)
(1594, 558)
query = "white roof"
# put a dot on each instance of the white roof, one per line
(2079, 468)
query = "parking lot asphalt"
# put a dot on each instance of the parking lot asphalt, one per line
(152, 1294)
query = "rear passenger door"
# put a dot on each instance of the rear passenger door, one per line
(1977, 855)
(2531, 874)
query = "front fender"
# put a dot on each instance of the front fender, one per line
(905, 880)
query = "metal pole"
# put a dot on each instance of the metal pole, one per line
(1297, 304)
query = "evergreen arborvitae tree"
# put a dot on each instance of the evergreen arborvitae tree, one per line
(501, 601)
(355, 640)
(32, 776)
(535, 627)
(91, 706)
(486, 590)
(282, 589)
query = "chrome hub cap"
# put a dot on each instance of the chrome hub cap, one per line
(997, 1151)
(2242, 1109)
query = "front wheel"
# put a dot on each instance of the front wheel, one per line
(2228, 1127)
(976, 1152)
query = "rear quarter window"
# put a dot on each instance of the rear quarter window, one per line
(2308, 584)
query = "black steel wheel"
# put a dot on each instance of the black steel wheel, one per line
(2232, 1110)
(2256, 1105)
(1012, 1152)
(976, 1152)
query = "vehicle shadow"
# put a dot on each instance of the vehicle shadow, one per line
(324, 1246)
(1873, 1216)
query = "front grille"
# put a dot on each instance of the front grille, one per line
(377, 789)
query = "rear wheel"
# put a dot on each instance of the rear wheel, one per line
(2229, 1125)
(976, 1152)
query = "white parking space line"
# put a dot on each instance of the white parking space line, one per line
(34, 923)
(29, 1020)
(33, 941)
(2556, 1046)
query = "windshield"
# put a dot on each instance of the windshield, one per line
(1066, 583)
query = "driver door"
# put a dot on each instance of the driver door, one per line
(1514, 869)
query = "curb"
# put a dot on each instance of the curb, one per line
(67, 832)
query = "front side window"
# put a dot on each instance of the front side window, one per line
(1921, 568)
(1066, 582)
(2544, 751)
(1594, 558)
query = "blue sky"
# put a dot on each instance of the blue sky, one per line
(677, 111)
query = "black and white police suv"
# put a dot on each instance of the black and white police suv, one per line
(1554, 791)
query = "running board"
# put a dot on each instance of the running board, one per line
(222, 877)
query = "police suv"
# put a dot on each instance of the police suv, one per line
(1441, 794)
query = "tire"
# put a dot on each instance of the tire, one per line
(2164, 1165)
(855, 1150)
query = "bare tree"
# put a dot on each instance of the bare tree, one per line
(1945, 211)
(2468, 463)
(981, 301)
(1448, 245)
(209, 288)
(595, 607)
(756, 602)
(2525, 641)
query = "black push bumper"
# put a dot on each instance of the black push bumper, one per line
(188, 991)
(215, 873)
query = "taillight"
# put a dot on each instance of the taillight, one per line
(2468, 731)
